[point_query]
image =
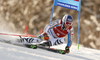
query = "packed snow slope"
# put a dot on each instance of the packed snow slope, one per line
(13, 52)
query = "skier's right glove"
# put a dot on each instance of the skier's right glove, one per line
(44, 36)
(67, 50)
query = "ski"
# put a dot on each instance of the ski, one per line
(46, 48)
(35, 46)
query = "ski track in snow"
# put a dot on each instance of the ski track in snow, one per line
(13, 52)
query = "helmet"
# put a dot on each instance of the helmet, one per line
(67, 19)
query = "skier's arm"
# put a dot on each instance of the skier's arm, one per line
(72, 33)
(70, 38)
(56, 22)
(53, 24)
(44, 34)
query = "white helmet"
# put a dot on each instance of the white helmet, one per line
(67, 19)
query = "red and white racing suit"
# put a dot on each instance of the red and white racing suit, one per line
(56, 33)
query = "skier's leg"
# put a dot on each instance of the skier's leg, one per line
(30, 40)
(57, 41)
(53, 42)
(48, 44)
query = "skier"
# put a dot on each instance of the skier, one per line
(55, 33)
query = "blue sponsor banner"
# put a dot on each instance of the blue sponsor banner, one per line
(71, 4)
(67, 6)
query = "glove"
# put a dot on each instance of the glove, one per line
(67, 50)
(46, 37)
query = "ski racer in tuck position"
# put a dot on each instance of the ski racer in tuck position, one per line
(55, 33)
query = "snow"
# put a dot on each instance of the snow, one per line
(13, 52)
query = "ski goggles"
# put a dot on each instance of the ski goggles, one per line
(68, 23)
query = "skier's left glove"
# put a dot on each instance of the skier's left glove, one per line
(67, 50)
